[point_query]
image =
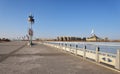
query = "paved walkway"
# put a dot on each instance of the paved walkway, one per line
(15, 58)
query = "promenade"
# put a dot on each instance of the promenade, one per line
(17, 58)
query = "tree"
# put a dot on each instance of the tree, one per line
(84, 39)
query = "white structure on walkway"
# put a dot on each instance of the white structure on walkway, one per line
(99, 57)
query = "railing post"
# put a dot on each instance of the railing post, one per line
(84, 50)
(76, 49)
(61, 46)
(58, 46)
(65, 46)
(55, 45)
(97, 54)
(118, 60)
(70, 48)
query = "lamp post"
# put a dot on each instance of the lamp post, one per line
(30, 32)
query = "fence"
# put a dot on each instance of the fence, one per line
(98, 56)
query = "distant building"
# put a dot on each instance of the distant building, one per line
(93, 38)
(65, 38)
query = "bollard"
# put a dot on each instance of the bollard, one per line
(97, 54)
(84, 50)
(118, 60)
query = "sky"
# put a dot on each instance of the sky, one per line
(60, 18)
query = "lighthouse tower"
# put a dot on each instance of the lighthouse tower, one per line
(92, 32)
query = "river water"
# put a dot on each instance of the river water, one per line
(109, 47)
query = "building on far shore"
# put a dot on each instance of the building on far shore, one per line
(94, 38)
(65, 38)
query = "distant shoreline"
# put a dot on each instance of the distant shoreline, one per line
(90, 41)
(4, 41)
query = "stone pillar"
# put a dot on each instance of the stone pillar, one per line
(65, 46)
(61, 45)
(84, 50)
(76, 48)
(118, 60)
(97, 54)
(70, 48)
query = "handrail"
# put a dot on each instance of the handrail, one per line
(98, 56)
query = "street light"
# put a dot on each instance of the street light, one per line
(30, 31)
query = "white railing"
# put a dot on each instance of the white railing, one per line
(98, 56)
